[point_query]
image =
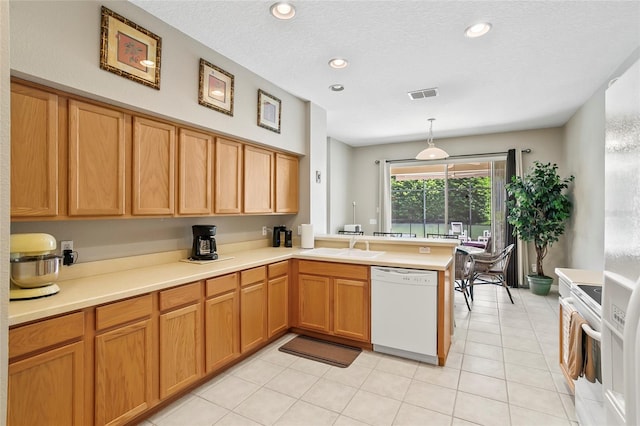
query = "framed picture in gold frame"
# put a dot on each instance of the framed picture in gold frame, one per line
(129, 50)
(216, 88)
(269, 110)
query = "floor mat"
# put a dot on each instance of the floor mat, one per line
(318, 350)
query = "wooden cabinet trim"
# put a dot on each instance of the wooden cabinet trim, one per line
(179, 296)
(343, 270)
(223, 284)
(278, 269)
(122, 312)
(250, 276)
(43, 334)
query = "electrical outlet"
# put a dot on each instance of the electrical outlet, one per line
(66, 245)
(264, 231)
(534, 268)
(424, 250)
(299, 230)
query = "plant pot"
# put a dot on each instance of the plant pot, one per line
(539, 284)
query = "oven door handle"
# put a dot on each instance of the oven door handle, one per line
(595, 335)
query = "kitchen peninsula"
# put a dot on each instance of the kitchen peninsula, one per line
(159, 326)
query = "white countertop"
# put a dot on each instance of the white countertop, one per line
(582, 276)
(83, 292)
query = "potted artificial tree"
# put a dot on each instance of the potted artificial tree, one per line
(538, 209)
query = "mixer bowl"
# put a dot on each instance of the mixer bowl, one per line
(35, 271)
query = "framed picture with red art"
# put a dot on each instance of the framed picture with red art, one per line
(129, 50)
(216, 88)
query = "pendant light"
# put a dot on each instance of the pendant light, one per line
(431, 152)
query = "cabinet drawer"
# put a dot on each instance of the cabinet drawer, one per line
(332, 269)
(251, 276)
(122, 312)
(223, 284)
(43, 334)
(183, 295)
(277, 269)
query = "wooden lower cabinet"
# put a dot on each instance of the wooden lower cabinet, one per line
(314, 303)
(351, 308)
(278, 297)
(334, 299)
(222, 321)
(253, 308)
(46, 372)
(123, 360)
(181, 338)
(47, 389)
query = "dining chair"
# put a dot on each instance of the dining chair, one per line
(490, 268)
(462, 268)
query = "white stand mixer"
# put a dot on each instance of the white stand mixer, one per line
(34, 266)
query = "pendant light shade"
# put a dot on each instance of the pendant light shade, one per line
(431, 152)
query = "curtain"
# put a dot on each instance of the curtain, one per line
(513, 275)
(384, 175)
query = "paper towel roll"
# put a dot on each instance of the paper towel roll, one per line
(306, 239)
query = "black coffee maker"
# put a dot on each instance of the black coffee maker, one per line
(204, 242)
(276, 234)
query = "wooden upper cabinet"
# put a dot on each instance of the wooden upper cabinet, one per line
(258, 180)
(153, 165)
(194, 173)
(228, 181)
(287, 186)
(97, 147)
(34, 152)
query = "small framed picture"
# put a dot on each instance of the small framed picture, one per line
(129, 50)
(216, 88)
(269, 110)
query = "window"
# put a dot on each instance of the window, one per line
(464, 198)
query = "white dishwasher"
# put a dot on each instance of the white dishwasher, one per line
(404, 305)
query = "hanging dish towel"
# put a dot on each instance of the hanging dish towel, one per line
(575, 359)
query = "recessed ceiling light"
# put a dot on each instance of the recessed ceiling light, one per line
(338, 63)
(477, 30)
(283, 10)
(336, 87)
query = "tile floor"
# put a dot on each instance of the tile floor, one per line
(501, 370)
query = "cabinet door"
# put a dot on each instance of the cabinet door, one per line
(47, 389)
(123, 373)
(96, 160)
(351, 308)
(195, 175)
(286, 183)
(222, 328)
(153, 181)
(253, 316)
(278, 304)
(313, 303)
(180, 349)
(258, 180)
(228, 181)
(34, 152)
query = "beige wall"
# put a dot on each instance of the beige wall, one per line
(57, 43)
(340, 209)
(547, 145)
(584, 152)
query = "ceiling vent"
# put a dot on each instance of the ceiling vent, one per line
(424, 93)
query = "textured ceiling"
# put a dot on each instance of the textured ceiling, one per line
(541, 61)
